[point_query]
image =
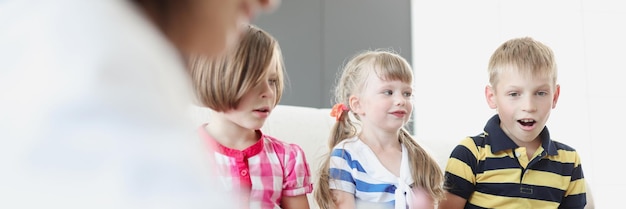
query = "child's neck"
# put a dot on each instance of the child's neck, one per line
(380, 140)
(230, 134)
(386, 147)
(531, 147)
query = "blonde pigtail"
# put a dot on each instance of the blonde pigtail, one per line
(424, 168)
(342, 129)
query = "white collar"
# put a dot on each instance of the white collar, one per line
(403, 192)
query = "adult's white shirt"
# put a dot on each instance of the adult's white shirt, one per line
(92, 111)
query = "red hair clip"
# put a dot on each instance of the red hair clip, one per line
(338, 110)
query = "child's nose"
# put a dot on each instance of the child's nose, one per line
(529, 104)
(267, 90)
(400, 100)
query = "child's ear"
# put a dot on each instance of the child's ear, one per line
(557, 92)
(490, 95)
(355, 104)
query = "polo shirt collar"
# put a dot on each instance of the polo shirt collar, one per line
(499, 141)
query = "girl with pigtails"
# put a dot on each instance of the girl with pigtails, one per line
(373, 162)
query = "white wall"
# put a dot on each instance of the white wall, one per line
(453, 39)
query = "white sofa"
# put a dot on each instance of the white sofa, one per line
(310, 128)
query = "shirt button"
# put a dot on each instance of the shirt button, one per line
(244, 172)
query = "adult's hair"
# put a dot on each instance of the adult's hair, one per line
(166, 14)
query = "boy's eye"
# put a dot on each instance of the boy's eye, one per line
(542, 93)
(408, 94)
(388, 92)
(513, 94)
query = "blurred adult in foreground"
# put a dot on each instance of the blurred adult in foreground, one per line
(94, 97)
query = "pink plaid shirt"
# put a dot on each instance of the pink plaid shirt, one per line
(268, 170)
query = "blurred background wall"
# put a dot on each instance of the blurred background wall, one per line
(318, 36)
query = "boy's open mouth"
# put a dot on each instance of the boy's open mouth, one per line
(526, 122)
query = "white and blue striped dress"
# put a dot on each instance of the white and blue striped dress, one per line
(354, 168)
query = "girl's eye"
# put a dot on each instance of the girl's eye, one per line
(272, 82)
(388, 92)
(408, 94)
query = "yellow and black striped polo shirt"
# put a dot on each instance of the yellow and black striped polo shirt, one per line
(490, 171)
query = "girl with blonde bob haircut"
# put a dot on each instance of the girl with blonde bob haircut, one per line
(221, 83)
(243, 87)
(372, 159)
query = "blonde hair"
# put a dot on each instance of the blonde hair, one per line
(387, 65)
(526, 55)
(221, 82)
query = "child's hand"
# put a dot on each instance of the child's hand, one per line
(421, 199)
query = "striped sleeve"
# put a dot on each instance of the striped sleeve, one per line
(460, 178)
(341, 165)
(575, 194)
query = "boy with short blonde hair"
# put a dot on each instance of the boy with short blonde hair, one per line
(514, 163)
